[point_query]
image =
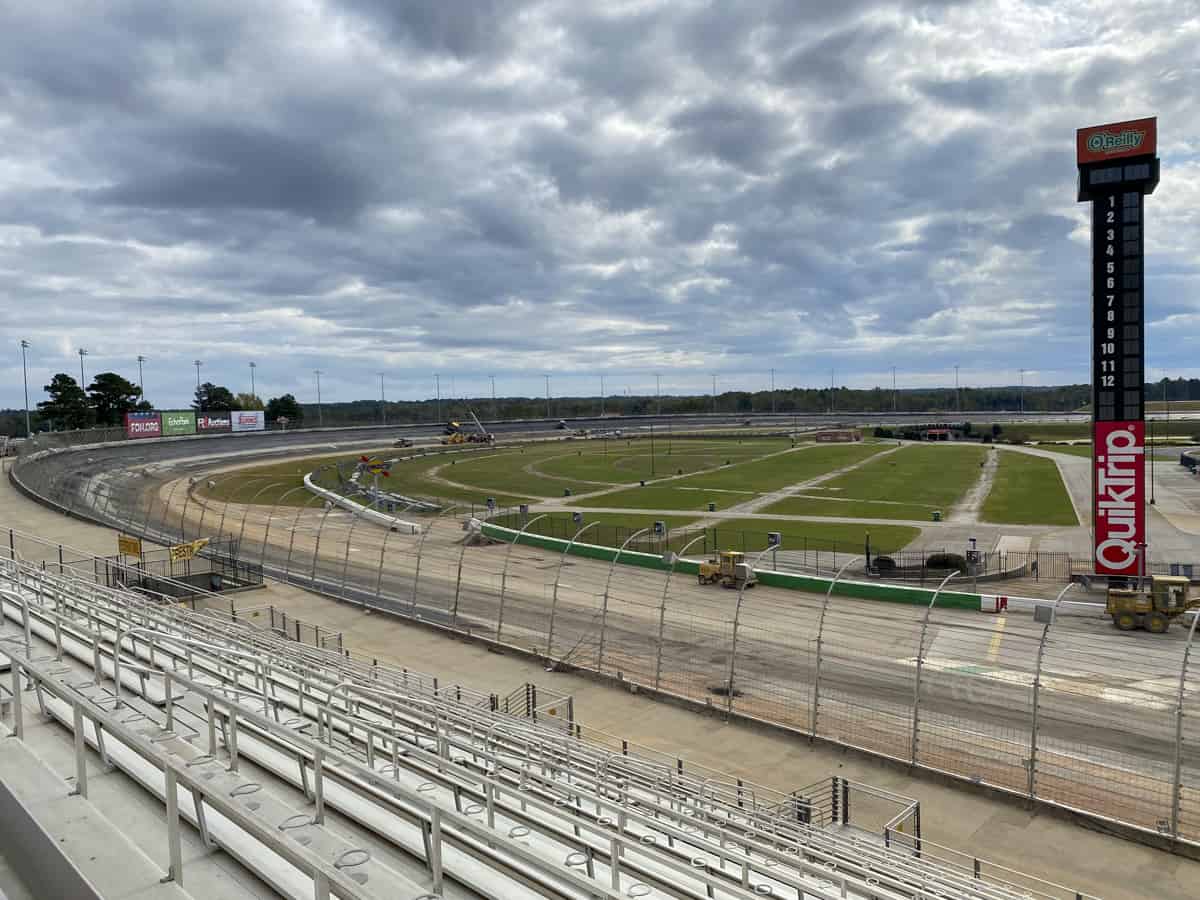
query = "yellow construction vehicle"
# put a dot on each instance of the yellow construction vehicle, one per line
(1150, 603)
(729, 568)
(456, 438)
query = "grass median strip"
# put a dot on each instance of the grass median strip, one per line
(1028, 490)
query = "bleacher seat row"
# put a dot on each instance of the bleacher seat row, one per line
(276, 745)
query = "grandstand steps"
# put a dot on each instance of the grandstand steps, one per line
(524, 809)
(66, 845)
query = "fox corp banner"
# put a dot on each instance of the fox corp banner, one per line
(143, 425)
(248, 420)
(1119, 486)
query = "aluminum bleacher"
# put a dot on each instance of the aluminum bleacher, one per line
(321, 775)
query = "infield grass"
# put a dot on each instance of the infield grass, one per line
(1028, 490)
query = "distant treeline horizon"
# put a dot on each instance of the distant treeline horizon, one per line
(940, 401)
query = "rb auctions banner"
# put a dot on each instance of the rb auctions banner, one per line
(248, 420)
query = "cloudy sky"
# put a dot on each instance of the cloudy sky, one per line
(477, 187)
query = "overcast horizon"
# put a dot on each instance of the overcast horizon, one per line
(515, 187)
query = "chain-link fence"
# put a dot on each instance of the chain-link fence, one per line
(1071, 712)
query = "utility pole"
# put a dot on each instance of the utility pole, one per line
(253, 386)
(772, 392)
(547, 377)
(25, 379)
(714, 396)
(832, 389)
(495, 414)
(382, 402)
(197, 363)
(895, 407)
(437, 381)
(320, 411)
(658, 390)
(141, 382)
(602, 396)
(82, 379)
(1022, 391)
(957, 395)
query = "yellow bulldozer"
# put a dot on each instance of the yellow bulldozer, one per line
(1150, 603)
(729, 569)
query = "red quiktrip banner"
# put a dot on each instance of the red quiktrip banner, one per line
(1119, 486)
(1098, 143)
(143, 425)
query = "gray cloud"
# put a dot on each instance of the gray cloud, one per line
(528, 187)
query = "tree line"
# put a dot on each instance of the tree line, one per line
(110, 396)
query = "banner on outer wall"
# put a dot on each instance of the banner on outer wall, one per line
(178, 422)
(143, 425)
(248, 420)
(209, 422)
(1119, 486)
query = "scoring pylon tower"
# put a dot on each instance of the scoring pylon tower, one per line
(1117, 169)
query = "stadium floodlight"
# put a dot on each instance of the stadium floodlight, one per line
(25, 379)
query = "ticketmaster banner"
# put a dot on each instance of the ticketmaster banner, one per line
(178, 422)
(248, 420)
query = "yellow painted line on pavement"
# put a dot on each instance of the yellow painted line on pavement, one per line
(994, 646)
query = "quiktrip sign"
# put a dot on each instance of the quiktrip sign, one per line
(1119, 489)
(143, 425)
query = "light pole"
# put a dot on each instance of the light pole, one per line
(957, 396)
(253, 390)
(437, 387)
(772, 392)
(25, 379)
(832, 389)
(382, 402)
(82, 379)
(197, 363)
(320, 412)
(1022, 392)
(602, 396)
(895, 407)
(658, 391)
(714, 394)
(547, 377)
(495, 414)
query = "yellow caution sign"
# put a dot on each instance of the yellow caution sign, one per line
(181, 552)
(128, 546)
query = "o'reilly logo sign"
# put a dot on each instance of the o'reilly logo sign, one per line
(179, 422)
(1107, 142)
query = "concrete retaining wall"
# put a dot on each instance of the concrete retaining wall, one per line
(864, 590)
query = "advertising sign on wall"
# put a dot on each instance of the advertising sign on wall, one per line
(142, 425)
(248, 420)
(178, 422)
(213, 421)
(1119, 480)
